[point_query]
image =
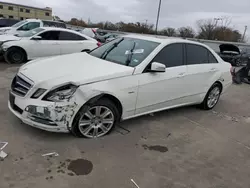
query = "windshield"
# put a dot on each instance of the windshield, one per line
(125, 51)
(19, 23)
(30, 33)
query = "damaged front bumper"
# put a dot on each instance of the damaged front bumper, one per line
(48, 116)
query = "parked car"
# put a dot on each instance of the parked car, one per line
(7, 22)
(88, 93)
(44, 42)
(89, 32)
(29, 24)
(106, 38)
(233, 55)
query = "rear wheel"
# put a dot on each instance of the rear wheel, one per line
(95, 120)
(212, 97)
(15, 56)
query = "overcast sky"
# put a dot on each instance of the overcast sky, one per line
(174, 13)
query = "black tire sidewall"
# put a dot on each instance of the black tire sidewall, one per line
(102, 102)
(204, 104)
(9, 54)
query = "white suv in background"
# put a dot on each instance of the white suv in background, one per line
(88, 93)
(44, 42)
(29, 24)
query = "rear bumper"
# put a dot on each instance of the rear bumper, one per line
(226, 86)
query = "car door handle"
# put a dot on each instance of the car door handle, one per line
(213, 69)
(181, 74)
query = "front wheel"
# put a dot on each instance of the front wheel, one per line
(212, 97)
(15, 56)
(95, 120)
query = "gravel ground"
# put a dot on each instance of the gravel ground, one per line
(185, 147)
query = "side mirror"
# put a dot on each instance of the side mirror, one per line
(87, 51)
(37, 38)
(157, 67)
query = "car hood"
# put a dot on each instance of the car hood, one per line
(5, 28)
(78, 68)
(5, 38)
(225, 48)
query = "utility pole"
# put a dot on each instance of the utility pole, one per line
(243, 37)
(158, 14)
(146, 22)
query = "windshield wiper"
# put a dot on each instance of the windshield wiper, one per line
(104, 55)
(130, 55)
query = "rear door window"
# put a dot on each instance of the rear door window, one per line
(196, 54)
(70, 36)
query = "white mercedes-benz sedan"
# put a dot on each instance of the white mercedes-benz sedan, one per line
(87, 94)
(44, 42)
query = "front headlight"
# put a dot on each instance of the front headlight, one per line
(60, 94)
(4, 48)
(38, 93)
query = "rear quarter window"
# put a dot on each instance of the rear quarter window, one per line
(54, 24)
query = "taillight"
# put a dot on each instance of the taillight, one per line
(232, 70)
(99, 44)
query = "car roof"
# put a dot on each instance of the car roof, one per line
(68, 30)
(32, 19)
(164, 40)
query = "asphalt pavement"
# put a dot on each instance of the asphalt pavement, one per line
(180, 148)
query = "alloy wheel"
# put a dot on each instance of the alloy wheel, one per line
(213, 97)
(96, 122)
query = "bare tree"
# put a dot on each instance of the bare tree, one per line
(207, 29)
(171, 32)
(225, 21)
(186, 32)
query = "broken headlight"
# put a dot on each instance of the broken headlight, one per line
(60, 94)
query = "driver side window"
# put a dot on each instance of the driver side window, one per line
(29, 26)
(171, 55)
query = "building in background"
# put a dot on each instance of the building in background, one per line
(22, 12)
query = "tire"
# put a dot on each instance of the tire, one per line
(215, 91)
(95, 126)
(15, 56)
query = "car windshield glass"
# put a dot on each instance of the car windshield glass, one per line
(30, 33)
(125, 51)
(19, 23)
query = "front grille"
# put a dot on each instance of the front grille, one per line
(42, 120)
(19, 86)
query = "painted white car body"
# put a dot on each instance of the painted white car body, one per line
(6, 38)
(45, 48)
(139, 93)
(28, 24)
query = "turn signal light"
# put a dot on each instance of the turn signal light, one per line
(99, 44)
